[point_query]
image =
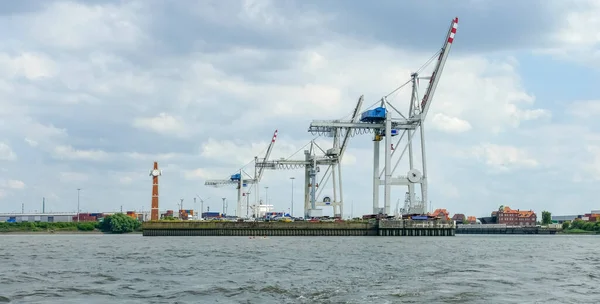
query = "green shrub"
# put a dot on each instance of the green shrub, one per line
(119, 223)
(86, 226)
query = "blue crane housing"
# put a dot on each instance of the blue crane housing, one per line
(376, 115)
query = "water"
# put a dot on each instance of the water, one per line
(461, 269)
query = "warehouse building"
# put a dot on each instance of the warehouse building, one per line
(54, 217)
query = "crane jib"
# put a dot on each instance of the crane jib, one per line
(440, 64)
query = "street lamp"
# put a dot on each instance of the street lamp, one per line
(224, 206)
(78, 189)
(266, 195)
(292, 211)
(247, 205)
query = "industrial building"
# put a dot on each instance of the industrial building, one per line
(54, 217)
(559, 219)
(65, 217)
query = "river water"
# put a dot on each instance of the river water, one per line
(462, 269)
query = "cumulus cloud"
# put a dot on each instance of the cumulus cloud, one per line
(201, 86)
(163, 123)
(15, 184)
(499, 156)
(449, 124)
(6, 152)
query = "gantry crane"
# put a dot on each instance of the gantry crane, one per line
(311, 164)
(380, 122)
(241, 181)
(332, 159)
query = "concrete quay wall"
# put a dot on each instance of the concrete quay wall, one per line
(497, 229)
(344, 228)
(415, 228)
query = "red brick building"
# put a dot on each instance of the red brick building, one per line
(512, 217)
(459, 217)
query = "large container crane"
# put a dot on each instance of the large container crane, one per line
(379, 121)
(311, 164)
(332, 159)
(242, 179)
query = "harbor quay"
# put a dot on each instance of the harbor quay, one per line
(300, 228)
(503, 229)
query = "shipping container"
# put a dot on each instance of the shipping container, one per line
(211, 214)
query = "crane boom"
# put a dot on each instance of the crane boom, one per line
(439, 67)
(267, 155)
(355, 116)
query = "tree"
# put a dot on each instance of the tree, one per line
(546, 218)
(119, 223)
(577, 224)
(565, 225)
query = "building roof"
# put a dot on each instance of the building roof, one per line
(521, 213)
(439, 212)
(458, 216)
(564, 217)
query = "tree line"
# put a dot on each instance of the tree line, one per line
(116, 223)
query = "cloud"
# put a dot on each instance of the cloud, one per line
(15, 184)
(449, 124)
(6, 153)
(31, 142)
(72, 177)
(163, 124)
(68, 152)
(77, 26)
(577, 39)
(501, 157)
(94, 92)
(31, 66)
(199, 173)
(585, 109)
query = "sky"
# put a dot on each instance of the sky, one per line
(93, 92)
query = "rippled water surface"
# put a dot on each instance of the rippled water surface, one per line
(461, 269)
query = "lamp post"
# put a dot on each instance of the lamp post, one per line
(247, 205)
(78, 190)
(292, 211)
(267, 195)
(224, 206)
